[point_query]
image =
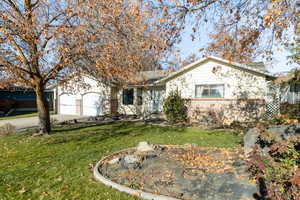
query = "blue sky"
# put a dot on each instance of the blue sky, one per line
(189, 47)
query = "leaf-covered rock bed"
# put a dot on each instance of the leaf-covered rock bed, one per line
(184, 172)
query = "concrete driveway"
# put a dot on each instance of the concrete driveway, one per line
(29, 122)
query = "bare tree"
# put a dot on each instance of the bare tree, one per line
(31, 53)
(242, 30)
(42, 41)
(125, 41)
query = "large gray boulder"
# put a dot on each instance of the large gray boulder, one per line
(278, 133)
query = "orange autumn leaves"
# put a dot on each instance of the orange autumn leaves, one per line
(55, 40)
(49, 42)
(200, 158)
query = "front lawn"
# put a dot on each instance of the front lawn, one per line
(59, 166)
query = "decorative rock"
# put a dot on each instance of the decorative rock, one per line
(130, 162)
(131, 159)
(159, 148)
(150, 156)
(280, 132)
(114, 161)
(250, 140)
(144, 147)
(115, 117)
(158, 171)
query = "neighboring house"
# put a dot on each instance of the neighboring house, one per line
(15, 100)
(289, 87)
(228, 90)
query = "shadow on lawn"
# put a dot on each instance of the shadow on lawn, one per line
(97, 133)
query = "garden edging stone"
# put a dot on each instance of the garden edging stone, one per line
(121, 188)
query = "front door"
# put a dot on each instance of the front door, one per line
(114, 101)
(157, 96)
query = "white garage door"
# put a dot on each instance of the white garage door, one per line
(92, 104)
(67, 104)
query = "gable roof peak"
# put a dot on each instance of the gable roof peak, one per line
(220, 60)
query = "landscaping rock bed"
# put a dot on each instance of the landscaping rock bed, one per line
(276, 133)
(183, 172)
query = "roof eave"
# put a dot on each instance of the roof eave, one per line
(241, 66)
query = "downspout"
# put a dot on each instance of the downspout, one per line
(81, 105)
(56, 101)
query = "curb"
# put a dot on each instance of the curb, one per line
(121, 188)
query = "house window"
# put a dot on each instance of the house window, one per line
(128, 95)
(295, 87)
(209, 91)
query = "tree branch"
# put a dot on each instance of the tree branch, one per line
(17, 71)
(19, 49)
(52, 73)
(35, 3)
(43, 46)
(13, 6)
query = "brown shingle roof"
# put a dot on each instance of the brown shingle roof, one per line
(148, 77)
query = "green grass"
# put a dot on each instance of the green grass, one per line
(58, 166)
(25, 115)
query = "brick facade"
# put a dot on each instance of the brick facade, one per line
(225, 111)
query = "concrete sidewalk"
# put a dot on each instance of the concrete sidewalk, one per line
(29, 122)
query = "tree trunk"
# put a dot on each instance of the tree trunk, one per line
(43, 111)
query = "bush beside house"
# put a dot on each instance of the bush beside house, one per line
(175, 107)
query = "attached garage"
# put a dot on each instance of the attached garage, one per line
(92, 99)
(67, 104)
(93, 104)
